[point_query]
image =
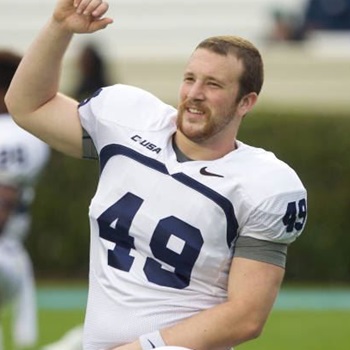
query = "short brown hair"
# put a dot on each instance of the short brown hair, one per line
(9, 62)
(253, 75)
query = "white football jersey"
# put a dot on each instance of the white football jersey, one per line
(23, 157)
(163, 232)
(21, 154)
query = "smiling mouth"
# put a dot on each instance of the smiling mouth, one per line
(195, 111)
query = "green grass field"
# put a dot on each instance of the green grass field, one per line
(52, 325)
(311, 330)
(285, 330)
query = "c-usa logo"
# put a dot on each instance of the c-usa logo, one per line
(145, 143)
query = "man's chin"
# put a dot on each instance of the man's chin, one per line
(194, 135)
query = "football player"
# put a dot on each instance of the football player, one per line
(189, 225)
(13, 259)
(22, 159)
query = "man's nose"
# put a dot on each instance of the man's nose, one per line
(196, 92)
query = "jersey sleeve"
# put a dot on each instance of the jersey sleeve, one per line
(279, 219)
(126, 106)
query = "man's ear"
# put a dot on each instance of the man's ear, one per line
(247, 103)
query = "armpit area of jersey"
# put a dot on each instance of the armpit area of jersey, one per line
(264, 251)
(89, 150)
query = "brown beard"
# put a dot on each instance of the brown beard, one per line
(208, 130)
(198, 135)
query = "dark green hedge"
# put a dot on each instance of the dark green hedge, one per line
(316, 146)
(59, 241)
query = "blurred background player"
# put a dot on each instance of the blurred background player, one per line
(22, 159)
(15, 267)
(317, 15)
(92, 69)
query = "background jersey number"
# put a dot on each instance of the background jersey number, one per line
(114, 226)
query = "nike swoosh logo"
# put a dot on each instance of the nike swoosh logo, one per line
(204, 171)
(153, 346)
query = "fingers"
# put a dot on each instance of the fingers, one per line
(100, 24)
(95, 8)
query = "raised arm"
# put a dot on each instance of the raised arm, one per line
(33, 99)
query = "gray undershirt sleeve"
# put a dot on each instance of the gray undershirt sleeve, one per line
(89, 150)
(264, 251)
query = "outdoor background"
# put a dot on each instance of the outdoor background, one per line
(303, 117)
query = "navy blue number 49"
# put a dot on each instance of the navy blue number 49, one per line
(114, 226)
(295, 216)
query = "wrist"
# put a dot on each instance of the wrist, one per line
(59, 27)
(151, 340)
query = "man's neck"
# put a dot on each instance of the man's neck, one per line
(202, 151)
